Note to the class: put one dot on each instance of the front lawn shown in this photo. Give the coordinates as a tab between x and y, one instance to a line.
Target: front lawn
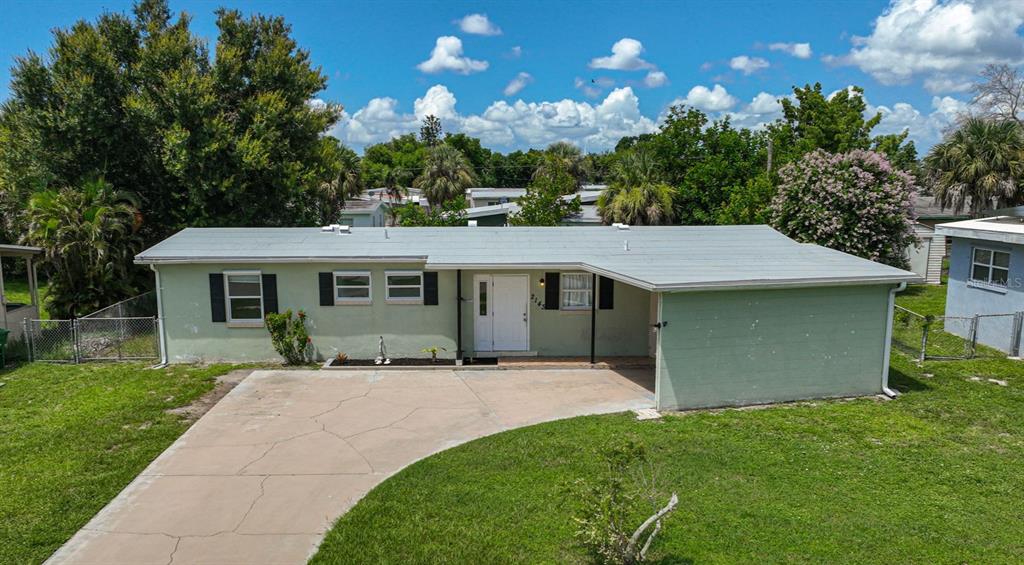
932	477
72	436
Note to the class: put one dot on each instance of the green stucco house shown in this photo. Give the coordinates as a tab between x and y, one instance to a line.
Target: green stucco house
730	315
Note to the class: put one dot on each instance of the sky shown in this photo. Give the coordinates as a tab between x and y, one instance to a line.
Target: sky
525	74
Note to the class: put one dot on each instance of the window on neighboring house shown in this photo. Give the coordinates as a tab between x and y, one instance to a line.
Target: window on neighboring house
404	286
577	292
244	293
990	266
352	287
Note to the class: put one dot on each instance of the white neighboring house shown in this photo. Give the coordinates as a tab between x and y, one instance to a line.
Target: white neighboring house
926	257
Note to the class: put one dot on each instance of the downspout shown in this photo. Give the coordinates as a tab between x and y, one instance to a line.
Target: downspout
160	317
593	318
458	316
887	349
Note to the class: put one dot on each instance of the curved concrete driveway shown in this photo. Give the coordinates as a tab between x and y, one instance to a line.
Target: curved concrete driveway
262	476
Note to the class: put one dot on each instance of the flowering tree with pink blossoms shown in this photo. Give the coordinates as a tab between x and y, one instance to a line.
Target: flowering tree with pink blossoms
856	202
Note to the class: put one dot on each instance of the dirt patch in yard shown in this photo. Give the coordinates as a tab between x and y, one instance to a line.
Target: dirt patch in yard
192	412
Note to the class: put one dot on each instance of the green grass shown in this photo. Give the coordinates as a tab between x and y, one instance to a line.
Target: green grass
932	477
72	436
16	290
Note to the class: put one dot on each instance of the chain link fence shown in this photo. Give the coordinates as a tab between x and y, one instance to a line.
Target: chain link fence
141	306
956	337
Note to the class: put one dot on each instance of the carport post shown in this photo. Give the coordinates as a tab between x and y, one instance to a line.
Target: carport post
593	315
458	316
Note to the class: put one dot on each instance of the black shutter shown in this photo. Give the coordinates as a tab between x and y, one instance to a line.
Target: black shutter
217	297
430	288
551	294
269	294
606	296
327	289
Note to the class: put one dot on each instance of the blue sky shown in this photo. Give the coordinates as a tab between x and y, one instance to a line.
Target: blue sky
389	63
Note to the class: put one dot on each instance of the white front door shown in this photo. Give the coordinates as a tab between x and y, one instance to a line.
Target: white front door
502	312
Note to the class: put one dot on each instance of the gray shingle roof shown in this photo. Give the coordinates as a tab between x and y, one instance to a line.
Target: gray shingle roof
655	257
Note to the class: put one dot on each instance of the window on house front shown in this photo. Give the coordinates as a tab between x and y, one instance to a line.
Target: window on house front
244	292
404	286
990	266
577	291
352	287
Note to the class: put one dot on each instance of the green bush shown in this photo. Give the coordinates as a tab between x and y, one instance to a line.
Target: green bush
289	336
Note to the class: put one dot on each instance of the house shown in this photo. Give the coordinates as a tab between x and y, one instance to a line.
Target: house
729	314
499	214
364	213
986	270
928	212
14	313
476	197
926	255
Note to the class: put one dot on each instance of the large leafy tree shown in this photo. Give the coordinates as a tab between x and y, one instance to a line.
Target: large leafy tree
567	156
833	123
446	175
395	162
636	195
546	202
89	235
979	165
137	100
856	202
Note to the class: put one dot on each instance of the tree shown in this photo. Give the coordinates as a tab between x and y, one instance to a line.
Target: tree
835	123
978	165
566	156
477	155
347	183
430	131
396	161
446	175
545	203
1000	94
855	202
636	195
446	214
89	235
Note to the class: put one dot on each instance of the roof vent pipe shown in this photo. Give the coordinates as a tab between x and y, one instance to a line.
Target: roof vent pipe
471	223
625	245
386	236
622	227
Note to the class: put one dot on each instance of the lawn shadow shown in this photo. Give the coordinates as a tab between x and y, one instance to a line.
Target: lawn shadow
903	382
672	560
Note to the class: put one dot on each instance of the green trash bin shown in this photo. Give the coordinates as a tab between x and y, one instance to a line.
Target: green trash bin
3	347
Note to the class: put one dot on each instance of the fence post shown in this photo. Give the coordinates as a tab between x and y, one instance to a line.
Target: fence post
1015	333
28	338
74	340
974	337
924	341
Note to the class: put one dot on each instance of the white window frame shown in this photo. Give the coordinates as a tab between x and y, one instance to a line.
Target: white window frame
228	298
562	291
402	299
991	265
341	301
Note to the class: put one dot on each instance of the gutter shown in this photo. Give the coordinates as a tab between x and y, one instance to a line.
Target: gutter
887	348
160	317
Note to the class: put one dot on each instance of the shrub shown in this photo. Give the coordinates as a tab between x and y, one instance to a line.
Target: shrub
854	202
289	336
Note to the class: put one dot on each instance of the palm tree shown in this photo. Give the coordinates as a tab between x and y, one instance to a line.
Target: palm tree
636	195
978	166
89	237
446	175
346	184
566	155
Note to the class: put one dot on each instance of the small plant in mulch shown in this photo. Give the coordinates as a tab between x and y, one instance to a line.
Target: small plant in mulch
433	352
608	524
289	336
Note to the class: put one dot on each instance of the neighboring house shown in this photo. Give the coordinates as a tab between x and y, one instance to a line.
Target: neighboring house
477	197
744	314
13	314
926	256
986	271
364	213
930	213
498	214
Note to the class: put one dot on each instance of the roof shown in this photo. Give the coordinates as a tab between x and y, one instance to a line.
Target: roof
497	192
492	210
361	206
1006	229
926	208
18	250
652	257
588	215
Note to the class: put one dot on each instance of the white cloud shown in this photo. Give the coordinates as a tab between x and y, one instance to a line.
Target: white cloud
447	56
625	57
515	53
503	124
518	83
654	79
944	42
748	65
478	24
798	50
715	99
925	129
589	89
765	103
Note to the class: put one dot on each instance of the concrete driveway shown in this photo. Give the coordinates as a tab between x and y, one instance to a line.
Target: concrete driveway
263	475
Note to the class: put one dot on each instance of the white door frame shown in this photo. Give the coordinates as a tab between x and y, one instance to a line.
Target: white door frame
483	326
